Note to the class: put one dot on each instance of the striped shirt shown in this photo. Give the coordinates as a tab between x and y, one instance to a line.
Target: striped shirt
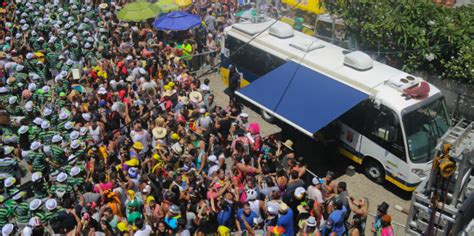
61	187
58	154
22	213
4	215
46	136
37	160
7	166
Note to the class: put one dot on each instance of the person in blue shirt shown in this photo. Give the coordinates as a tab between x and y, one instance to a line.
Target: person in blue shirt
245	217
285	219
335	223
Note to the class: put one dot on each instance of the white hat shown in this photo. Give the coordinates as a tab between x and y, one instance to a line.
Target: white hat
316	180
75	144
68	125
7	229
12	100
47	111
74	135
102	90
299	192
32	87
35	204
63	115
177	148
35	145
8	149
29	108
75	171
86	116
202	110
34	221
45	124
51	204
57	138
87	45
46	89
19	67
70	158
244	115
142	71
61	177
23	21
29	55
212	158
38	121
23	129
90	39
19	195
129	58
69	62
10	181
36	176
60	10
70	34
18	35
83	131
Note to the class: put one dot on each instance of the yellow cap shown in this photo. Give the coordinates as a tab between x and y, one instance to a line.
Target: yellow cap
156	156
167	87
132	162
131	193
171	84
138	145
149	199
122	226
175	136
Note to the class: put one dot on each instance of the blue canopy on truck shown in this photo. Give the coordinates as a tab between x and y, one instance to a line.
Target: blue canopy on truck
301	97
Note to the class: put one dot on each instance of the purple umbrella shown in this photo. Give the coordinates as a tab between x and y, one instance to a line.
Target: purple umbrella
178	20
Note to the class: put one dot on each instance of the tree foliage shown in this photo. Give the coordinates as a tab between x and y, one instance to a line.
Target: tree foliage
413	35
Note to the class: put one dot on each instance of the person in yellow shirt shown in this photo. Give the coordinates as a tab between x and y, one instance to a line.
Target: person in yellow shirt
187	52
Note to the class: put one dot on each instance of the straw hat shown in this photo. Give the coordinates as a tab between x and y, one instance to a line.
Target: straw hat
103	5
159	121
289	144
159	132
195	97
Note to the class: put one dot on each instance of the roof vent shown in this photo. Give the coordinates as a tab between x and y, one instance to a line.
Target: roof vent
307	46
281	30
358	60
403	82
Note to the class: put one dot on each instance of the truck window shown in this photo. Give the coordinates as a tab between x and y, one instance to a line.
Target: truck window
383	127
355	117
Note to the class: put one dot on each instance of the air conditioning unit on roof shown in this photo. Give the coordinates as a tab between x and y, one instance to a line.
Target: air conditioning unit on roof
358	60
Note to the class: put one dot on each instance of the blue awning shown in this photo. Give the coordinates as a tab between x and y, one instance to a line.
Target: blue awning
311	101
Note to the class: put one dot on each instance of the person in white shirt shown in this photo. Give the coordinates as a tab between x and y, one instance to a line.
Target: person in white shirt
314	191
143	229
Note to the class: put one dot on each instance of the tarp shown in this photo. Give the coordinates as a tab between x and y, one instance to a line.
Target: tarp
308	102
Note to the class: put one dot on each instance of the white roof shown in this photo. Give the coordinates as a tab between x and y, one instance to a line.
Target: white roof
328	59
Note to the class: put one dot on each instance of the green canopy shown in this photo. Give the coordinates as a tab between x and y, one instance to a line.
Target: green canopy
167	5
138	11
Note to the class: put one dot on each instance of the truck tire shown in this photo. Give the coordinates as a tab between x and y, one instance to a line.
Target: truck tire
374	171
266	116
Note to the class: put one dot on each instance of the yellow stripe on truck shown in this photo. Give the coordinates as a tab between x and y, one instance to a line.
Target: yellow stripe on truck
349	155
399	184
225	78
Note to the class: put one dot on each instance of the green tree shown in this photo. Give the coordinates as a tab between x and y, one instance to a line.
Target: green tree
414	35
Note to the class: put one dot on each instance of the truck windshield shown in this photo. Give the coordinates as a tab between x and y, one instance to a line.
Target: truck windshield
423	128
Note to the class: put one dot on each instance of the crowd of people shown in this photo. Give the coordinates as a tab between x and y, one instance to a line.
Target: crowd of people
106	130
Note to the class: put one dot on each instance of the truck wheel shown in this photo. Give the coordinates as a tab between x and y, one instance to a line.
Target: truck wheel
266	116
375	171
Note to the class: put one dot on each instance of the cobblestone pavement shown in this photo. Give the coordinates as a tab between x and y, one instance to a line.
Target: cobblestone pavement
358	184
